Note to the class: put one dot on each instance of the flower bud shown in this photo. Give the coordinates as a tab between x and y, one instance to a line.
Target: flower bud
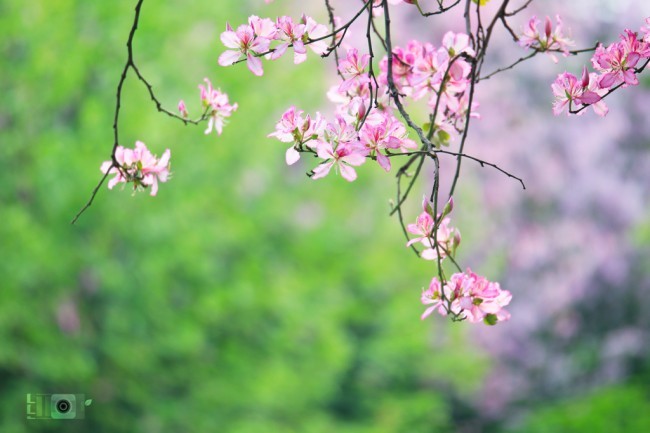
362	110
456	238
448	207
307	124
548	27
182	108
427	206
585	77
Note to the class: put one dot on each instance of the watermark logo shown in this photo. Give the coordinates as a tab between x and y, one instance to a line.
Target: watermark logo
57	406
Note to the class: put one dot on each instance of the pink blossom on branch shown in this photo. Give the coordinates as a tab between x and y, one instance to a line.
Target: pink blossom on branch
549	40
254	40
569	91
467	296
217	106
435	234
293	128
245	43
388	133
139	166
616	63
353	69
343	158
340	149
314	31
290	33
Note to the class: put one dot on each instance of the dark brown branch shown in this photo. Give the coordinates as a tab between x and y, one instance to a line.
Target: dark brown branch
519	9
120	84
481	162
130	64
392	89
533	54
441	9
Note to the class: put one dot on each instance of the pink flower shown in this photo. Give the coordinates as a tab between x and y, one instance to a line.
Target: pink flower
550	40
290	33
313	31
468	296
477	299
381	136
616	63
245	42
404	62
457	43
340	149
263	27
138	166
448	238
433	297
423	228
343	159
352	68
218	107
293	128
567	90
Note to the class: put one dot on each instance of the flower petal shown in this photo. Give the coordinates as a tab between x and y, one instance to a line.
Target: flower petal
255	65
347	172
322	170
292	156
227	58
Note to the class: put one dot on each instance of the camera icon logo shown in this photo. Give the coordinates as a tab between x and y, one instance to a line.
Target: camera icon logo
63	406
56	406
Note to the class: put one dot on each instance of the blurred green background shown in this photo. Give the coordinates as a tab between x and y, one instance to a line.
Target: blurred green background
243	298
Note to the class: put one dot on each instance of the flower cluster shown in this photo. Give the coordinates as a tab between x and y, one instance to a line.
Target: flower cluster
215	106
435	234
253	40
345	142
340	143
615	65
442	75
467	296
551	40
568	91
138	166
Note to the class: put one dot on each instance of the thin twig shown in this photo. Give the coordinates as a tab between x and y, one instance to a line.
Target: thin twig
125	70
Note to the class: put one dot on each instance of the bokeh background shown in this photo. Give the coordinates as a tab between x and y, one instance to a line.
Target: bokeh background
247	298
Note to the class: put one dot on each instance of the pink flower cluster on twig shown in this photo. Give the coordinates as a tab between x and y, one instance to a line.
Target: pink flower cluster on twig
217	106
549	41
616	65
253	40
435	234
467	296
138	166
442	75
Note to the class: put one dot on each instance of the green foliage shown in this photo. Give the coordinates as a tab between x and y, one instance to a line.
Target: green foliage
618	409
244	297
